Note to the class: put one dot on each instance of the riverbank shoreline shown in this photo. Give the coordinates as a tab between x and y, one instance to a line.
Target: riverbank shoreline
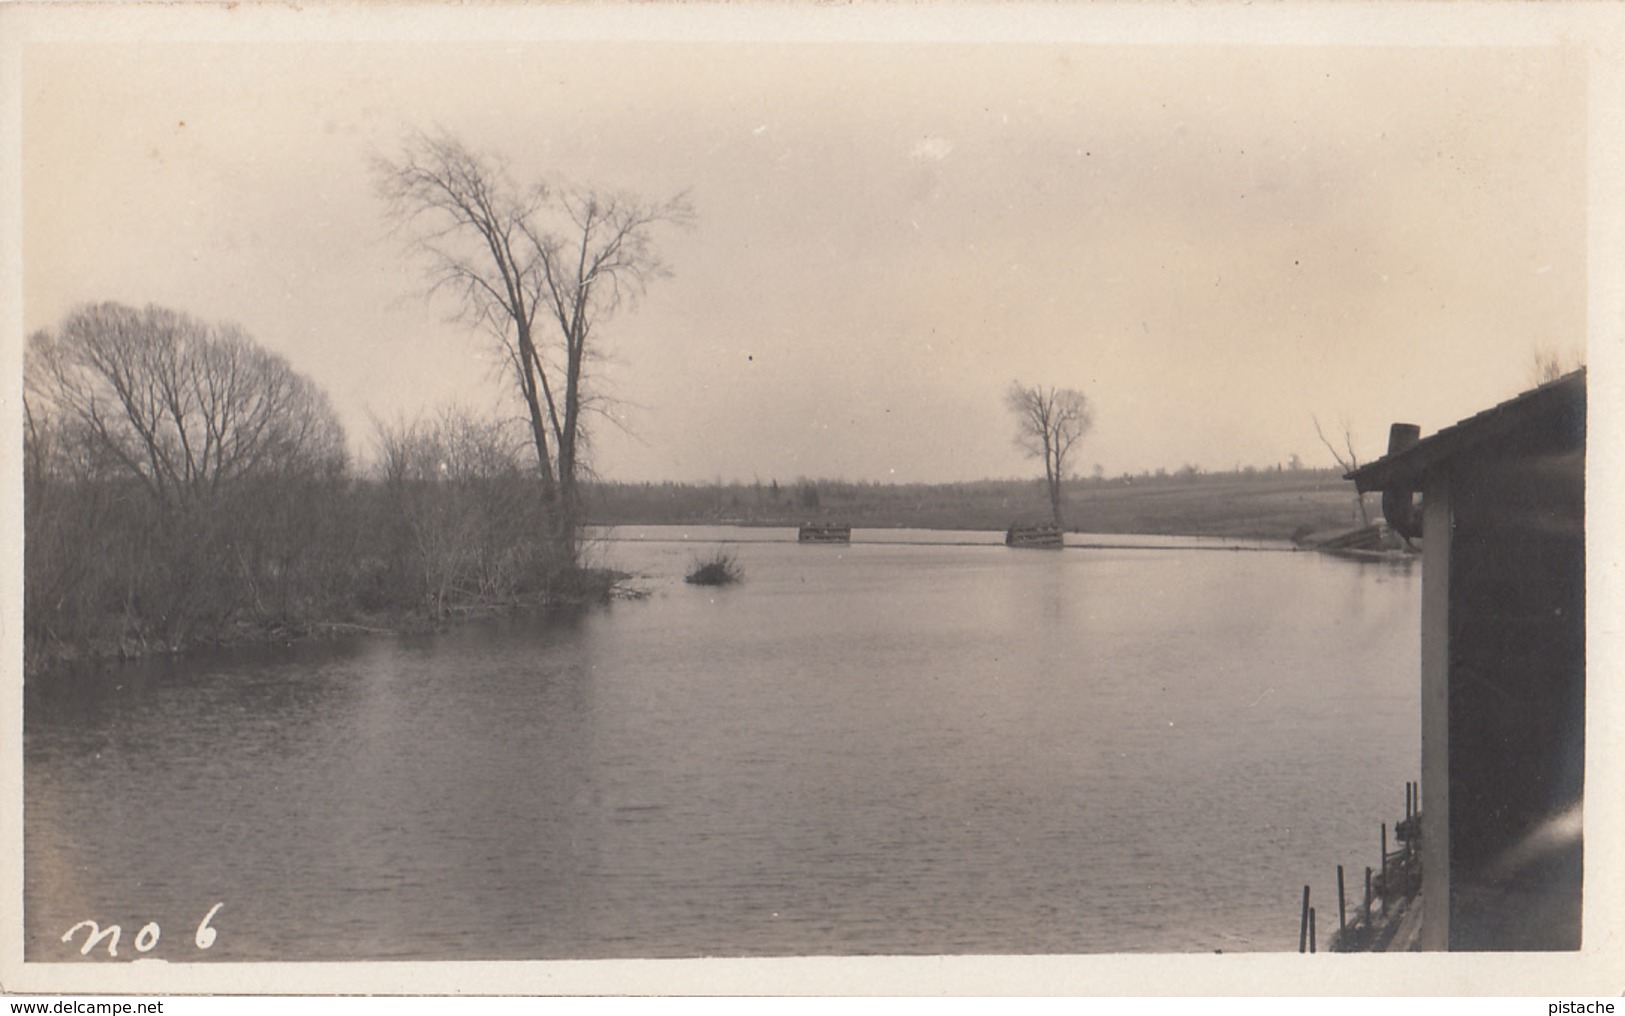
584	588
587	586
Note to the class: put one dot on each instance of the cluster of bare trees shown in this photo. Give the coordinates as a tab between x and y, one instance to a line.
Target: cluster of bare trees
174	478
182	480
538	268
181	407
183	483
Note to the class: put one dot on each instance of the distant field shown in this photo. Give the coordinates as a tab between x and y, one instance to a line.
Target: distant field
1261	505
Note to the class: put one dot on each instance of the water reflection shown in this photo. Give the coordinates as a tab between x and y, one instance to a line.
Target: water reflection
884	748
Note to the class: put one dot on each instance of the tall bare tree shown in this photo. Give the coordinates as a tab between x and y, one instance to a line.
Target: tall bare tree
1347	461
514	256
1049	421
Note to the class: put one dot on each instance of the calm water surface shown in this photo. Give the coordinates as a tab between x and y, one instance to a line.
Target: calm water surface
915	744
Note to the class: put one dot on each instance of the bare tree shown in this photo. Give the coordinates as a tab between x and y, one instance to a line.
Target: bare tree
1346	460
1550	364
515	255
179	405
176	474
1049	421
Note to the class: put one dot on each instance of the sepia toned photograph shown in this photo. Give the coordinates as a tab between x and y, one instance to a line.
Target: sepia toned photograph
544	484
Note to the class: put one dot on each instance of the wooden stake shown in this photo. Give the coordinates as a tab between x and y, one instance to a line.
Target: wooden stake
1303	923
1342	919
1311	929
1387	890
1411	846
1368	898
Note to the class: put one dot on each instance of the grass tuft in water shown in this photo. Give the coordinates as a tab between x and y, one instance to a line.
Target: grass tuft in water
720	569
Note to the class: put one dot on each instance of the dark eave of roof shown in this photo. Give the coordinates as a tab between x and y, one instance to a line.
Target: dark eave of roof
1403	471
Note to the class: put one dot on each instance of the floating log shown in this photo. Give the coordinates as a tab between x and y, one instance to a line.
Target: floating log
1364	538
825	534
1045	536
1374	542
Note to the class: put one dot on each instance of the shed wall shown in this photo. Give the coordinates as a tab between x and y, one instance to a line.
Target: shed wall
1516	691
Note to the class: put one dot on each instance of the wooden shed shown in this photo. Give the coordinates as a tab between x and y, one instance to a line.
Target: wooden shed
1501	519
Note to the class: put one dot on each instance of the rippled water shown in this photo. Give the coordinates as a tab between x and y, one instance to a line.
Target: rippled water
914	744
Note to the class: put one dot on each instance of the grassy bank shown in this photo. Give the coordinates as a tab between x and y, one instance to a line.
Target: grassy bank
112	572
578	588
1251	505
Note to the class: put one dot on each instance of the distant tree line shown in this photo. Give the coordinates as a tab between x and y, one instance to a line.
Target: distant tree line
182	483
1270	503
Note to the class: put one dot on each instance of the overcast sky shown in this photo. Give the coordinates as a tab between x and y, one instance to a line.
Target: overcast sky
1213	243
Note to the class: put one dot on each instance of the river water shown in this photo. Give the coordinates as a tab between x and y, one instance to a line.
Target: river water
919	743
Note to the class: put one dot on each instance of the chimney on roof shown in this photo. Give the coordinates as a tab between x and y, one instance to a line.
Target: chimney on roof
1399	506
1401	436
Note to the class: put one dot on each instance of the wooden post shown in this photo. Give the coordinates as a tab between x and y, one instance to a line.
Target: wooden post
1368	898
1342	919
1311	929
1303	923
1416	817
1410	814
1436	580
1387	890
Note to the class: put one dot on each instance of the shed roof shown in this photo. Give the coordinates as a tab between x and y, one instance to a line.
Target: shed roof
1404	470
